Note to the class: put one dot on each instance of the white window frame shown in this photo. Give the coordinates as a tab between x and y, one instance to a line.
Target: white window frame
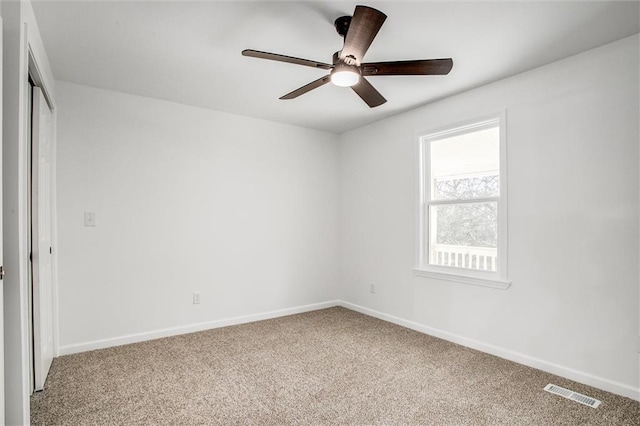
495	279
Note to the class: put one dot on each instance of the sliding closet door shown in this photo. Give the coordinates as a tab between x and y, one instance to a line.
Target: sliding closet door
41	238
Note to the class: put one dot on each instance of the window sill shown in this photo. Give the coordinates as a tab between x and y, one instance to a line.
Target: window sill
463	279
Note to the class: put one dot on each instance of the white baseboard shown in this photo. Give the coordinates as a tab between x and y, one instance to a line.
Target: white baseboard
191	328
559	370
569	373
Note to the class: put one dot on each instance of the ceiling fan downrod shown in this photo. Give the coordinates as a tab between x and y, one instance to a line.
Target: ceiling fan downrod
342	25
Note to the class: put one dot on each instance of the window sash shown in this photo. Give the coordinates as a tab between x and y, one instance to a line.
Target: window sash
462	201
461	256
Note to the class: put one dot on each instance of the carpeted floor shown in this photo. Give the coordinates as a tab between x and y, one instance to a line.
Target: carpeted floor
333	366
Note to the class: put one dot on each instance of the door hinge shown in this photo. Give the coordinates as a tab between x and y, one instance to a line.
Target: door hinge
2	272
50	250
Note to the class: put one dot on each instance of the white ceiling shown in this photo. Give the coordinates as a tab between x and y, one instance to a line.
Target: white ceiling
190	52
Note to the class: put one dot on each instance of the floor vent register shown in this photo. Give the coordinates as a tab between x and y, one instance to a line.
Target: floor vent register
574	396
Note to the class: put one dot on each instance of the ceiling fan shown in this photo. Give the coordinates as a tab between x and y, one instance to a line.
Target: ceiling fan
347	69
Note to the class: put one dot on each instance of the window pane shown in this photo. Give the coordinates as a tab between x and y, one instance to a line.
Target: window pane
466	166
464	235
466	188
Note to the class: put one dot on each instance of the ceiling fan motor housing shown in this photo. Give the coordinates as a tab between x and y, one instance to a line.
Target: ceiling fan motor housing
348	60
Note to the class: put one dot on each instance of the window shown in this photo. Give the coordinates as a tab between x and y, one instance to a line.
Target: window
463	204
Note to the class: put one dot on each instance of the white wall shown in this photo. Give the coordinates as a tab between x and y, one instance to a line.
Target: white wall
242	210
572	140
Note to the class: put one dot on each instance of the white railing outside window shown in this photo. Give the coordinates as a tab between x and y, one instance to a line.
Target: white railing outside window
478	258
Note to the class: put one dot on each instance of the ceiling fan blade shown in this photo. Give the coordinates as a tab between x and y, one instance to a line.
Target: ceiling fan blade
419	67
307	87
368	93
284	58
364	26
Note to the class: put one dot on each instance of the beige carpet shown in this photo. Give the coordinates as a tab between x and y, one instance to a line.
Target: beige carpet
332	366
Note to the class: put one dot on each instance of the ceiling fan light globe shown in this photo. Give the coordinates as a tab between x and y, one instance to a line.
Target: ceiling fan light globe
345	78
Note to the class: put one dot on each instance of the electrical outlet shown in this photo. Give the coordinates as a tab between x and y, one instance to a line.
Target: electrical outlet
196	298
372	289
89	219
